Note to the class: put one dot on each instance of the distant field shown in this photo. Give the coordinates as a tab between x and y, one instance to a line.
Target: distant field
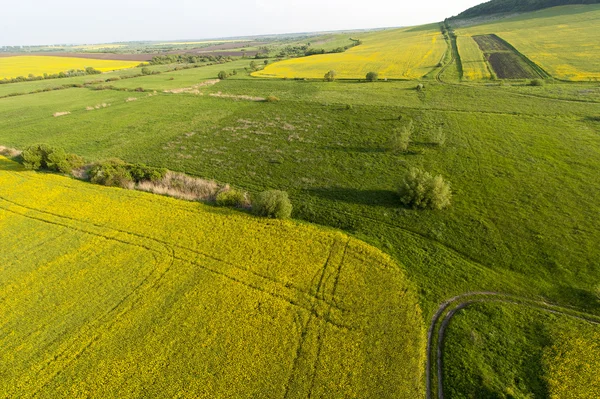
564	41
202	42
11	67
142	295
473	62
398	54
505	62
182	79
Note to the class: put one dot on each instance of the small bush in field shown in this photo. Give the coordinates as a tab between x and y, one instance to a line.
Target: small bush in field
536	82
232	198
421	190
272	99
400	139
372	77
272	204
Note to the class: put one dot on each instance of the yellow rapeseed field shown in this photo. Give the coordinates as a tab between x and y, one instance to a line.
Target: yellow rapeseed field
115	293
473	63
399	53
12	67
564	41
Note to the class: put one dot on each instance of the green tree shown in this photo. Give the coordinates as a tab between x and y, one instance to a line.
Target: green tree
330	76
222	75
421	190
372	77
272	204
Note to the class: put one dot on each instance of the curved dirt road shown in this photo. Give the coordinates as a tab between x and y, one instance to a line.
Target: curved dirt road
449	308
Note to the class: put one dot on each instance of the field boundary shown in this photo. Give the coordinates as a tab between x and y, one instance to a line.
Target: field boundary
447	310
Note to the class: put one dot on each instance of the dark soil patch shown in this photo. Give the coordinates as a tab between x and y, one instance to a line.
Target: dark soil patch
506	62
508	65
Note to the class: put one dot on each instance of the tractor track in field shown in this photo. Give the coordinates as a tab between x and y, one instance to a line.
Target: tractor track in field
447	310
304	303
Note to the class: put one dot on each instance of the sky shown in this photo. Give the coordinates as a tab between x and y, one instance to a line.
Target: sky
33	22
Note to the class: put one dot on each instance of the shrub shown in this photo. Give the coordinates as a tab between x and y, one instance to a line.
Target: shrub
233	198
43	156
222	75
140	172
146	71
420	87
330	76
536	82
420	190
113	172
438	136
400	139
272	204
372	77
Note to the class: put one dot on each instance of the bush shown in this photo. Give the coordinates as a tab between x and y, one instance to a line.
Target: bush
536	82
438	136
233	198
140	172
372	77
113	172
272	204
146	71
330	76
400	139
420	87
420	190
43	156
222	75
118	173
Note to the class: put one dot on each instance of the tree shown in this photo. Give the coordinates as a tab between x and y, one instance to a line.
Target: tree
266	62
222	75
330	76
421	190
372	77
272	204
253	65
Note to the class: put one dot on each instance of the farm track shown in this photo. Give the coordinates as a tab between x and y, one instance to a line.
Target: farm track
448	309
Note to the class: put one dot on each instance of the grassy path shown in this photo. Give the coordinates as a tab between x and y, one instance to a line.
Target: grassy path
447	310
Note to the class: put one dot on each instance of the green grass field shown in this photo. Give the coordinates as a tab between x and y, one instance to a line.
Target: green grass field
522	162
473	63
561	40
497	350
145	295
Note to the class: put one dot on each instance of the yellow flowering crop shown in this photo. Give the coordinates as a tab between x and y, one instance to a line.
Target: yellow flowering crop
564	41
12	67
114	293
398	53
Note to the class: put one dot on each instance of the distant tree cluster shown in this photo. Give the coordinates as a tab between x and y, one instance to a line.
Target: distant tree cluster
510	6
67	74
188	59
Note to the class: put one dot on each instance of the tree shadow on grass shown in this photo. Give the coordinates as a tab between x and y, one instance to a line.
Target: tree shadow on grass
384	198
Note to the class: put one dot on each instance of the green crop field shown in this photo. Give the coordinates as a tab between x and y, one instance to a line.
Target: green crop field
473	63
106	291
246	307
564	41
